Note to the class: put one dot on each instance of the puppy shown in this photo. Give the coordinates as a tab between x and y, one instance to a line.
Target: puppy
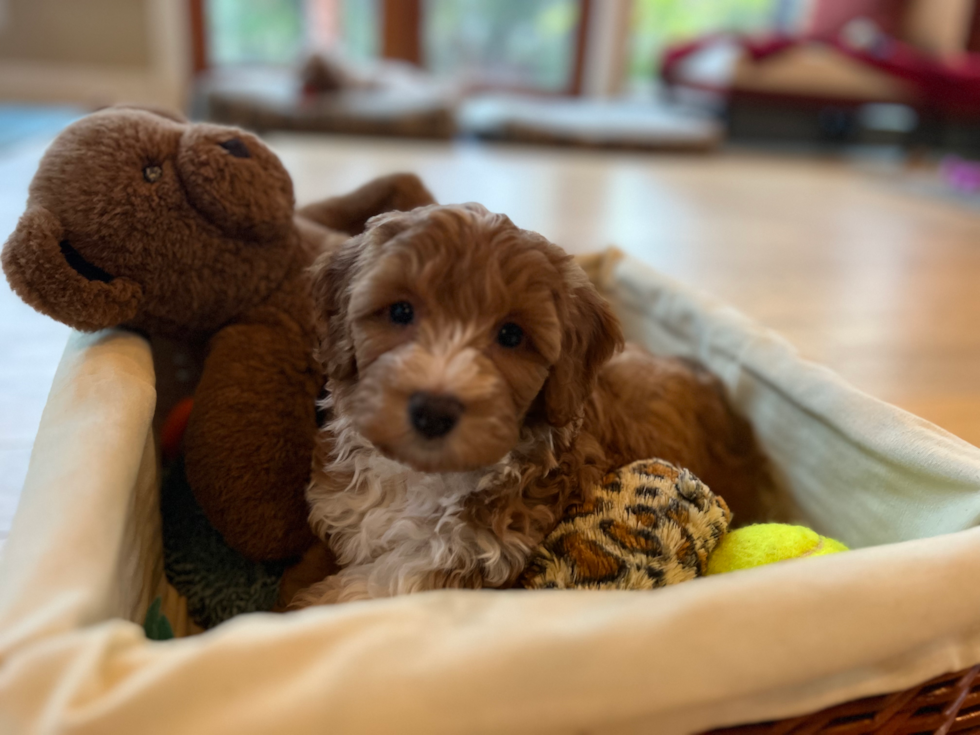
475	390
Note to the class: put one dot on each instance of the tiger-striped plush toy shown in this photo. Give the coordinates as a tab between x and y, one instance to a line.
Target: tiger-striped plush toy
648	525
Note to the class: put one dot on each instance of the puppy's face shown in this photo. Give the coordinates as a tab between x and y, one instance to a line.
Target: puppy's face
444	328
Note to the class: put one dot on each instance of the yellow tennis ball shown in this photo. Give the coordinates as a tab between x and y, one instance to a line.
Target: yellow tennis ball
766	543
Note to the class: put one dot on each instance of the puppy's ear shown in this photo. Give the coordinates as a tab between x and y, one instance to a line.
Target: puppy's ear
332	275
591	334
45	270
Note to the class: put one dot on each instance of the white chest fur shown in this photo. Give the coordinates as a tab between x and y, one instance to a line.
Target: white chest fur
396	530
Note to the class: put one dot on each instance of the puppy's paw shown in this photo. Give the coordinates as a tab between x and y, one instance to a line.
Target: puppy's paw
318	563
349	585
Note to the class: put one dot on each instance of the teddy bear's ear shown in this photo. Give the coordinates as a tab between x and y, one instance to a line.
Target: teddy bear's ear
49	274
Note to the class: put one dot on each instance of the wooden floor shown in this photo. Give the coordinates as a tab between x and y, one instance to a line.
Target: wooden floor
848	262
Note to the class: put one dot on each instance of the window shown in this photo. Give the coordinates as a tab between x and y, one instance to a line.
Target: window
508	43
278	32
528	44
523	44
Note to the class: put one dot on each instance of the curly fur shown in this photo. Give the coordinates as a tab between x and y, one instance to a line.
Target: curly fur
541	422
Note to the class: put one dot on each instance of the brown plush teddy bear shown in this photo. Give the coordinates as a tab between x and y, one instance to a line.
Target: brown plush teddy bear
188	231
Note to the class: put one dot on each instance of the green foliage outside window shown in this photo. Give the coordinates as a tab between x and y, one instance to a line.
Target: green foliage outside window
519	42
657	24
277	32
254	32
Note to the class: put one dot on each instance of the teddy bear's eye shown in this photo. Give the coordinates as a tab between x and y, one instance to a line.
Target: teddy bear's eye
152	173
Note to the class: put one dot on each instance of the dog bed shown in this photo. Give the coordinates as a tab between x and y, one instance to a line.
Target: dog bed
83	564
263	99
619	125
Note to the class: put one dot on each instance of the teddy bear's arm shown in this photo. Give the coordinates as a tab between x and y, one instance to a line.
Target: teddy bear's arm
348	213
249	439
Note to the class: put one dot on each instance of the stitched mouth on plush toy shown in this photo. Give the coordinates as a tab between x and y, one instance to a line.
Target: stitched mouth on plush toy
82	267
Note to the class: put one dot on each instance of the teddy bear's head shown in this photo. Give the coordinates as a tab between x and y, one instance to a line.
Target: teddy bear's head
141	219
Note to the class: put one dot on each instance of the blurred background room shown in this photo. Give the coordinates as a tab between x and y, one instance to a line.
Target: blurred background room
813	163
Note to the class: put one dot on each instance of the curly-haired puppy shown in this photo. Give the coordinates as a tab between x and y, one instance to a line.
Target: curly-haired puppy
473	394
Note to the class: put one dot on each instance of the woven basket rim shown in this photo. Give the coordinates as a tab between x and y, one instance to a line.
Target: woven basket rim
943	704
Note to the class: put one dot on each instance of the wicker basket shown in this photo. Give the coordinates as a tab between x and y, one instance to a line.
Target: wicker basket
949	703
84	562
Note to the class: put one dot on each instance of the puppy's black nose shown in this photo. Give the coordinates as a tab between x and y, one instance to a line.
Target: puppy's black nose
236	147
433	416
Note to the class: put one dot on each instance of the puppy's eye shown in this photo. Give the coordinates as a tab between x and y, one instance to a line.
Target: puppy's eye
401	313
152	174
510	335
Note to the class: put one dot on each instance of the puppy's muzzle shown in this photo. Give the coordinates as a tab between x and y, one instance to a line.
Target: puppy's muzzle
433	416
